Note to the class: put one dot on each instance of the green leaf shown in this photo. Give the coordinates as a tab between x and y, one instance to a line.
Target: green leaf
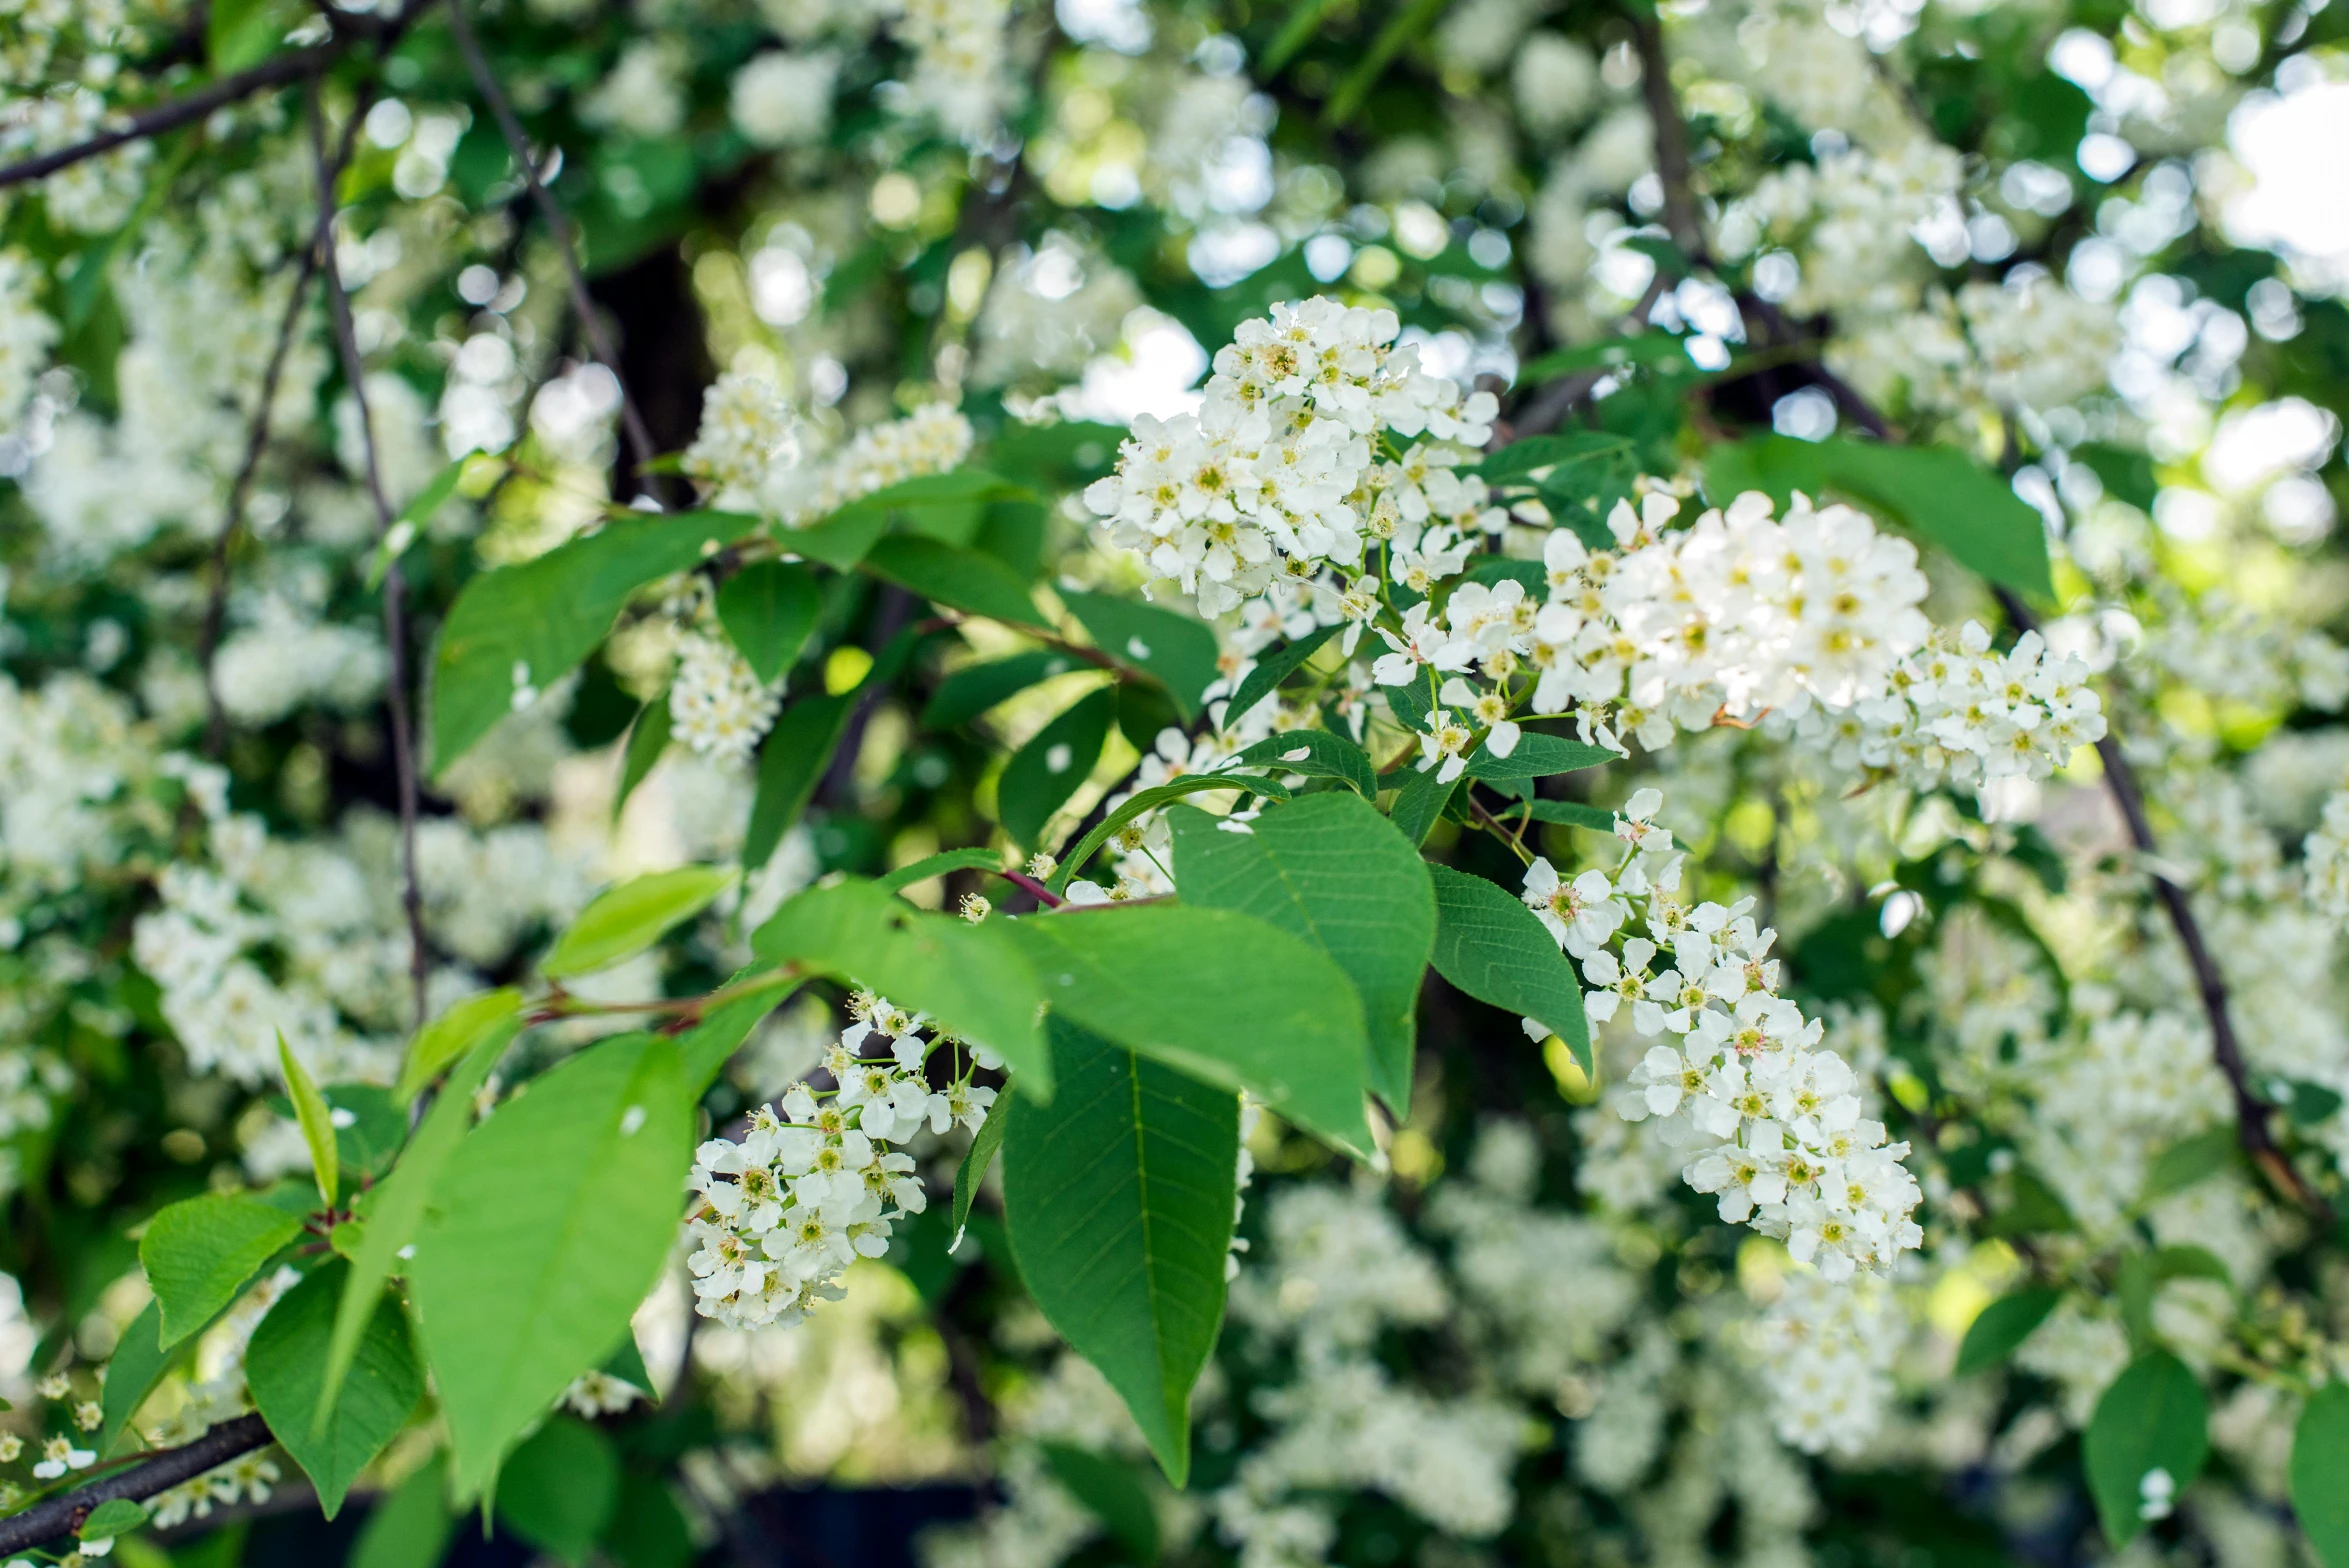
939	865
1405	25
648	1530
456	1032
402	534
1570	813
648	739
1492	947
1420	797
137	1365
1522	459
1148	800
558	1491
411	1527
2000	1328
2320	1474
1936	491
1273	668
973	1169
1052	766
548	1225
1113	1492
1330	870
972	690
316	1120
1538	756
1645	348
1178	651
1223	996
622	921
286	1369
199	1253
945	574
2154	1417
2188	1161
527	626
1315	754
972	979
768	608
791	764
113	1517
400	1202
707	1046
1118	1198
242	33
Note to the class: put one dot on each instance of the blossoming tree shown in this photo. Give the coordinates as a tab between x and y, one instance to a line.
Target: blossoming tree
1480	781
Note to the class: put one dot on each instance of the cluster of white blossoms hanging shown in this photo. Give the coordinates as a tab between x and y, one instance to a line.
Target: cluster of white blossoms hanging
803	1194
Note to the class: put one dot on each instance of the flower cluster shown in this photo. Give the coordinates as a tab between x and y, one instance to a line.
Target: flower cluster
2325	855
805	1193
753	454
1770	1121
717	703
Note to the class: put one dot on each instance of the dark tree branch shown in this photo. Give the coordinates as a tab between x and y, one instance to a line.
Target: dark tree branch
62	1515
640	442
395	583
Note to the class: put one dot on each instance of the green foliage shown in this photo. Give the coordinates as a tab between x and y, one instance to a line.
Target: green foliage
1113	1492
527	626
2153	1418
1118	1199
1419	801
768	609
547	1226
1329	870
411	1526
455	1033
1148	800
972	979
973	1169
559	1490
962	579
1258	1009
1492	947
199	1254
939	865
1271	669
973	689
1537	756
2320	1474
286	1369
316	1120
719	1033
113	1517
2189	1161
2000	1328
139	1361
648	739
622	921
1043	774
1314	754
1178	651
792	762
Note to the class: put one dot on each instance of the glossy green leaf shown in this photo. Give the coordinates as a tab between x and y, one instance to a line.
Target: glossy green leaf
1314	754
315	1119
242	33
1178	651
455	1033
547	1226
1329	870
137	1365
1538	756
1053	765
1271	669
939	865
1147	800
1118	1199
975	688
623	920
558	1491
1522	459
962	579
2000	1328
648	740
2153	1418
768	608
411	1526
973	1169
1420	796
2320	1473
972	979
1567	813
1113	1492
1221	995
1492	947
522	628
285	1366
198	1255
791	764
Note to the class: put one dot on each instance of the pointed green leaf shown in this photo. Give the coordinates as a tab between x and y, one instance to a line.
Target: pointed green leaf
455	1032
558	1490
198	1255
768	608
1538	756
317	1122
623	920
286	1368
1223	996
411	1527
1118	1199
706	1047
648	740
973	1169
2320	1474
1419	801
113	1517
975	688
1113	1492
1148	800
547	1227
1271	669
2000	1328
1178	651
939	865
137	1365
1492	947
1330	870
1044	773
972	979
2153	1418
946	574
1315	754
791	764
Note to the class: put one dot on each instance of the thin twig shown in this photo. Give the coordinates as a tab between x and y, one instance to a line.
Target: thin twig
2252	1111
395	584
294	66
62	1516
640	443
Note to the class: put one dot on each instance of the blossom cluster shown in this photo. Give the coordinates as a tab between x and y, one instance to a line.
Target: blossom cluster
753	452
817	1180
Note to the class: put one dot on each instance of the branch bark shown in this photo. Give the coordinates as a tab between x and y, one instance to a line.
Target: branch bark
62	1515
